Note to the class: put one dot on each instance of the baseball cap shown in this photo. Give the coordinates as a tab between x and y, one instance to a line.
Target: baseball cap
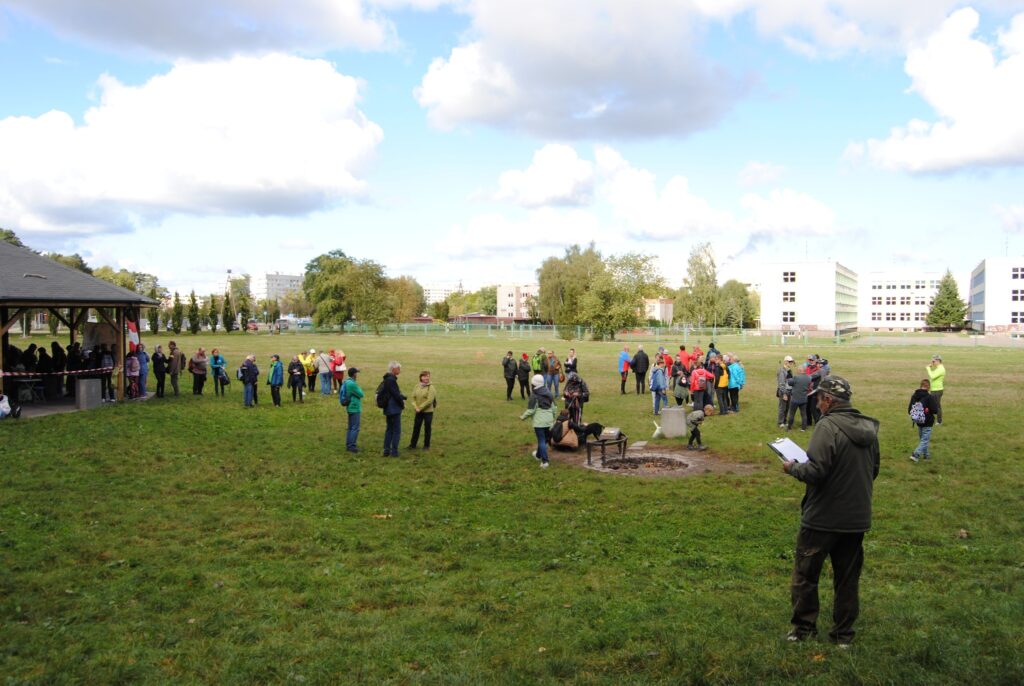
835	386
937	357
787	358
312	350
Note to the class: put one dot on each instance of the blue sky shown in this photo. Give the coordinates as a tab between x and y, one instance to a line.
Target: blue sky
470	139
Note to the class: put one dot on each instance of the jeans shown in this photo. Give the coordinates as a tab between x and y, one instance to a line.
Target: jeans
143	376
523	388
551	383
198	381
734	399
924	433
847	554
392	434
298	386
311	380
698	399
220	382
659	399
723	400
694	437
325	383
247	394
352	434
275	395
542	443
160	379
423	419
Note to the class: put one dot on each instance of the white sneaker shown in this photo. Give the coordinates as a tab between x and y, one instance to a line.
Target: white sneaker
534	453
543	465
914	458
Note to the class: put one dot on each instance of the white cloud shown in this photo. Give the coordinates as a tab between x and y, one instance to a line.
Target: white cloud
579	68
1012	218
976	93
557	177
495	235
787	212
841	26
211	28
760	173
269	136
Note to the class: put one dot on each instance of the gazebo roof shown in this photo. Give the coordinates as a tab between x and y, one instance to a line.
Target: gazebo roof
31	280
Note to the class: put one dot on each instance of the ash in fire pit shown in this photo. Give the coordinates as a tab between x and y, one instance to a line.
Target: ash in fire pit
644	462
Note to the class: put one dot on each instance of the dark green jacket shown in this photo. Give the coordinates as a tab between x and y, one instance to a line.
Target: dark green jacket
840	472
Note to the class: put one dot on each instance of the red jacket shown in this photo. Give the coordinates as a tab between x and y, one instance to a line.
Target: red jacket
696	374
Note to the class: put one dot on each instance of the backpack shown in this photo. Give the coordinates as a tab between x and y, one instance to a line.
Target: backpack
343	397
918	414
382	399
240	374
702	382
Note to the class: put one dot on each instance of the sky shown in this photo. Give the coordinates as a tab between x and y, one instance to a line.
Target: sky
466	141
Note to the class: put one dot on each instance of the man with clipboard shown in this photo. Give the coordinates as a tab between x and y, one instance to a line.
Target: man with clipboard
841	466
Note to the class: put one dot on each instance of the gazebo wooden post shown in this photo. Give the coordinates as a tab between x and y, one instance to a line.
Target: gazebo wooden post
119	342
71	319
3	345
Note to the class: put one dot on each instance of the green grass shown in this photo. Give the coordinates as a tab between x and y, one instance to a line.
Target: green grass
189	541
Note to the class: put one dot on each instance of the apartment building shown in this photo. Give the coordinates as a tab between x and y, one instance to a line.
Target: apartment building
996	301
816	297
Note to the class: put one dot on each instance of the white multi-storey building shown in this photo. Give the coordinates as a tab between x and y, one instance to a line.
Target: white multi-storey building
514	300
899	300
274	286
997	295
809	297
438	293
659	309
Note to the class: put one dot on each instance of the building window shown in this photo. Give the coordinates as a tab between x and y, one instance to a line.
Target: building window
904	316
904	286
891	300
788	277
876	300
876	316
789	296
1017	317
788	317
919	300
890	286
890	316
905	300
919	284
1018	273
1017	295
876	286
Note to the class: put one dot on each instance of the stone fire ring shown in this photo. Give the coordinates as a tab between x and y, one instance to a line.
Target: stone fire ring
642	459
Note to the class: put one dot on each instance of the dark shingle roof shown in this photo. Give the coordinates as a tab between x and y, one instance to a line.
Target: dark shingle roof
28	278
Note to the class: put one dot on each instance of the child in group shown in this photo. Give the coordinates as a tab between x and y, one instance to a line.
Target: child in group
541	407
923	409
693	423
354	393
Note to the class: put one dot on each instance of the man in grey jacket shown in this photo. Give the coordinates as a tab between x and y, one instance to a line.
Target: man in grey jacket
843	461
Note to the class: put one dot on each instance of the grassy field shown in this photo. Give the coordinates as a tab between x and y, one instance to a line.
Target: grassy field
185	540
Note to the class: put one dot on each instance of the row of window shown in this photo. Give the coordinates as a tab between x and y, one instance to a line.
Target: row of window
1017	295
1017	317
904	300
906	286
1017	273
901	316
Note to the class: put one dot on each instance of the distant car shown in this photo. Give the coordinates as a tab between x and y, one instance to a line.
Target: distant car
305	323
282	324
253	325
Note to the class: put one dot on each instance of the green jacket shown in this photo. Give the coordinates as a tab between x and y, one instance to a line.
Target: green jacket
937	376
423	398
843	461
541	406
355	394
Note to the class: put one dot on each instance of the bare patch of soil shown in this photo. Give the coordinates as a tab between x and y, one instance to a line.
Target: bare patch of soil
642	459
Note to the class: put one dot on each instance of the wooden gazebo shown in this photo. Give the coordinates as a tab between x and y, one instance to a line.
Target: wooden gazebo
30	282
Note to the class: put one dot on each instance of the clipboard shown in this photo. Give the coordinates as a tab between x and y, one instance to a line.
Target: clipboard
787	450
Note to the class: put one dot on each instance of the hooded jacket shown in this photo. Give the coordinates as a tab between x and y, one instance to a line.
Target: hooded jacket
843	461
541	407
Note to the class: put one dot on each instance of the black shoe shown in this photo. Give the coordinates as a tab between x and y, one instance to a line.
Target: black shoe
387	454
352	450
798	636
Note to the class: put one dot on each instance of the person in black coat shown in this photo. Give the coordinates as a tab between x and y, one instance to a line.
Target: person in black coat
394	403
640	364
523	373
159	361
510	369
924	426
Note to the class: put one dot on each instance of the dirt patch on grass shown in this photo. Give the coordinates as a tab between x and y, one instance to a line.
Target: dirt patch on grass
642	459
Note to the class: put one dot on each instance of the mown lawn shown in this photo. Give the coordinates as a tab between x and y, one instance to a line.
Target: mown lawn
188	541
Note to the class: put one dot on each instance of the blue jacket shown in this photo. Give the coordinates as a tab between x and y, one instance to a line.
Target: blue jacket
659	382
737	375
623	357
396	401
276	376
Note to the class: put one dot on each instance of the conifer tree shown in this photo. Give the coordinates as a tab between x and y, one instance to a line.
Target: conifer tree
948	310
213	312
227	314
193	314
177	314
